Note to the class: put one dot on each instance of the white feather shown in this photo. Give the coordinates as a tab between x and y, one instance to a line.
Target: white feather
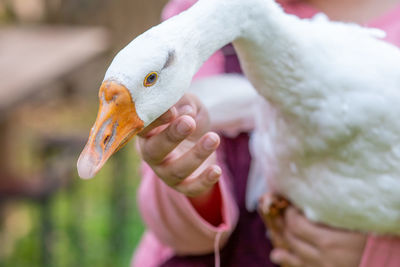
222	92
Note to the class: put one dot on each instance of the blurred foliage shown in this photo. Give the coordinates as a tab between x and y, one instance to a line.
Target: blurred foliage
93	223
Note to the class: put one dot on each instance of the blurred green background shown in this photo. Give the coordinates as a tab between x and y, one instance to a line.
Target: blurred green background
48	216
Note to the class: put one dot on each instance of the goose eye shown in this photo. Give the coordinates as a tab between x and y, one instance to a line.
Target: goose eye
150	79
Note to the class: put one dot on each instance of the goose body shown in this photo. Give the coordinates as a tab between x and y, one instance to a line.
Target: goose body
331	141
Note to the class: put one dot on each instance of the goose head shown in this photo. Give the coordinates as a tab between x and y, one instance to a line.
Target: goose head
144	80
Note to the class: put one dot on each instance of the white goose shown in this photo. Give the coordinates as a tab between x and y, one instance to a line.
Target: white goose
333	146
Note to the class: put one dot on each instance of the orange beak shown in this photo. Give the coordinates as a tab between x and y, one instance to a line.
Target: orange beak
117	122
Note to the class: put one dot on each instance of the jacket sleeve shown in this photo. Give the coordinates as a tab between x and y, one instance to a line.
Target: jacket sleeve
381	251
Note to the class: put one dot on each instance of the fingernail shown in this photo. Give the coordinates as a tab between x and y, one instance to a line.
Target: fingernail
183	127
209	143
214	174
172	112
185	110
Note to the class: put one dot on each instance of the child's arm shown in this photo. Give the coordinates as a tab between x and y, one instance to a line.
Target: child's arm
174	220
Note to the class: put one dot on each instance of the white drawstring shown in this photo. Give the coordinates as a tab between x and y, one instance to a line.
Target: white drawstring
216	249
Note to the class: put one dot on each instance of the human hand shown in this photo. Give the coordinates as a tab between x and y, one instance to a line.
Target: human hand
180	149
308	244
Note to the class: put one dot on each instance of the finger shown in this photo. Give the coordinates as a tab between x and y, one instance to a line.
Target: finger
277	239
274	233
174	171
202	118
264	203
301	227
202	183
274	222
156	148
285	258
165	118
187	109
200	115
302	249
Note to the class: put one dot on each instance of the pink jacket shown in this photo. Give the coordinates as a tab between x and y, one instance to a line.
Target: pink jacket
174	226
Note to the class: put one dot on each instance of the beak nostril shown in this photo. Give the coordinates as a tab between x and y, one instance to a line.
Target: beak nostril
106	139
